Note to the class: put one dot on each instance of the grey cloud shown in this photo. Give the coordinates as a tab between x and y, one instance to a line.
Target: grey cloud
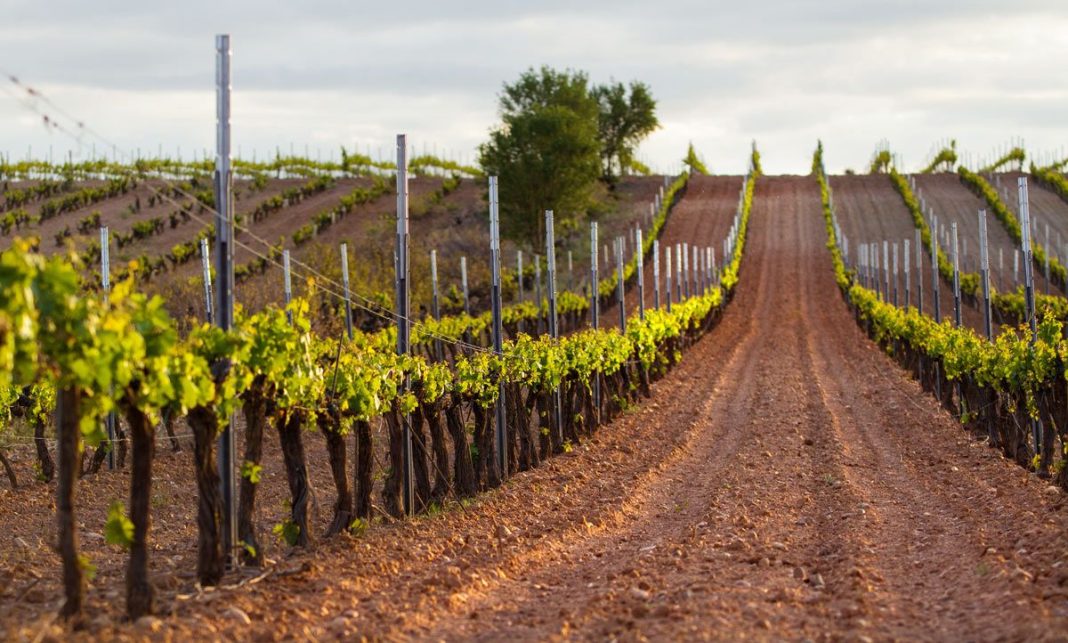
783	72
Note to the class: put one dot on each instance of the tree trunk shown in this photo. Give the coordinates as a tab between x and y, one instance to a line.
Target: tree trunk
99	455
419	463
514	425
478	439
545	425
527	446
254	406
138	589
330	427
593	419
210	562
643	382
487	449
289	434
68	414
168	426
121	443
391	489
432	414
9	470
44	458
463	468
1044	399
364	459
569	404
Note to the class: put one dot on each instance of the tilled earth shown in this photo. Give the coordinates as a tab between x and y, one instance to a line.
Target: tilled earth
786	481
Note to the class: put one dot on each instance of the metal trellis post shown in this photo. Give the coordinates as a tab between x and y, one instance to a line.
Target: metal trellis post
404	328
205	266
463	285
935	294
595	304
656	274
105	283
345	285
224	275
288	285
641	276
1029	281
554	322
667	275
984	269
956	276
498	324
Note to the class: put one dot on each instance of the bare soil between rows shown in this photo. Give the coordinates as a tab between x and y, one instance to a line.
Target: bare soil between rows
786	481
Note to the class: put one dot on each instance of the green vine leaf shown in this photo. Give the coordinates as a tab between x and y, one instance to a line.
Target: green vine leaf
251	472
118	530
287	532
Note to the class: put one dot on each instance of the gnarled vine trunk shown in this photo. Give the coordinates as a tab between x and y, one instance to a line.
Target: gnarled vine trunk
254	407
289	435
44	458
419	462
463	469
569	402
391	489
139	594
364	459
487	449
330	427
528	450
591	412
643	382
210	562
68	431
543	404
9	470
168	426
514	425
432	415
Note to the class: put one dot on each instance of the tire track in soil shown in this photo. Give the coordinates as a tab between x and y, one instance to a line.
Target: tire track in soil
787	480
637	501
616	561
927	560
703	217
705	516
837	533
398	578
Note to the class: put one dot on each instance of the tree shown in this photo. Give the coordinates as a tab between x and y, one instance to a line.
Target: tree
624	120
545	153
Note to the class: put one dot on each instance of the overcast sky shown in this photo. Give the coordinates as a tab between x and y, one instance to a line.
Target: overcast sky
322	73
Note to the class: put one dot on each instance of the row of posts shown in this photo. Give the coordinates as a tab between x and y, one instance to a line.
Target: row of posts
944	235
875	275
219	291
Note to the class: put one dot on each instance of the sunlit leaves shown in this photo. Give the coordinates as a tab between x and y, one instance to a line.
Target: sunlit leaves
118	530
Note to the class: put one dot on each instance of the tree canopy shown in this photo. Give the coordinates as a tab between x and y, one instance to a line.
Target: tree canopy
558	135
625	119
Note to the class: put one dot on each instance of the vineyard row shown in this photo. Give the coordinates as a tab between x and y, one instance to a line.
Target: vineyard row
124	355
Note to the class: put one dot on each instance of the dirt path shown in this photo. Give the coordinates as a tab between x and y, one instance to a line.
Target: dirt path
870	210
702	219
815	493
787	481
954	202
